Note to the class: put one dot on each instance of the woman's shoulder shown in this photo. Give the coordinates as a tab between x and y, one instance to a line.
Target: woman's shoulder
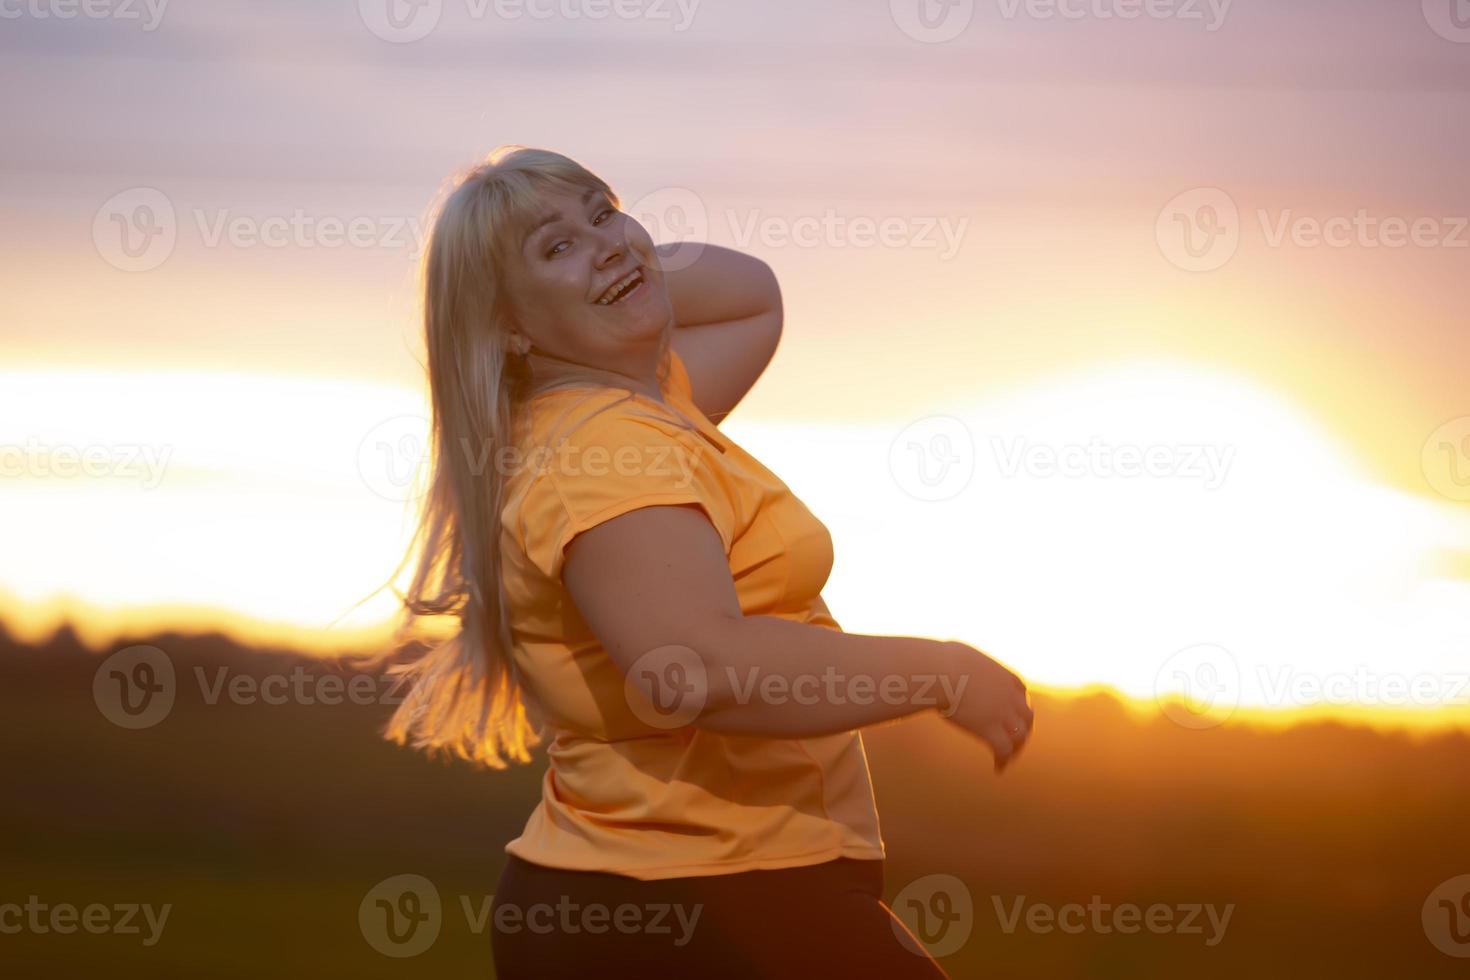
608	413
606	438
592	454
600	416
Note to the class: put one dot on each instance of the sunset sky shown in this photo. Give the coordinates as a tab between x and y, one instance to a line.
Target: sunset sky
1047	280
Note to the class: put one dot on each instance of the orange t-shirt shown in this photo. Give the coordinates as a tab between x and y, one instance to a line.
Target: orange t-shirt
627	797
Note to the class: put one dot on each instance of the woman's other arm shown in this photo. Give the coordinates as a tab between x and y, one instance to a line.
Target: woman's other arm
658	577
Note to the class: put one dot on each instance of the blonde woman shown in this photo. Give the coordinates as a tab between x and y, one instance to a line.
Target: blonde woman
624	583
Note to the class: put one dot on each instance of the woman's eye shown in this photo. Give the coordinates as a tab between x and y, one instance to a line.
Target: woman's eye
553	250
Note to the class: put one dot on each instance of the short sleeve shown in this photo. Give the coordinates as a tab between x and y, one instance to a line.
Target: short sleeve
617	461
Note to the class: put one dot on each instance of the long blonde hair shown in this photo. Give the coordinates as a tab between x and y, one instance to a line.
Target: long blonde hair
463	696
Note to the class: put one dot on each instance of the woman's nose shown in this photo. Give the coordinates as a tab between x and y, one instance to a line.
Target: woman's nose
613	243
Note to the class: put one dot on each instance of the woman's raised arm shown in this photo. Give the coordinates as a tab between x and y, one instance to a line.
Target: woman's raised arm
727	317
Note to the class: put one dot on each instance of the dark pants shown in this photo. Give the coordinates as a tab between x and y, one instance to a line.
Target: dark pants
816	921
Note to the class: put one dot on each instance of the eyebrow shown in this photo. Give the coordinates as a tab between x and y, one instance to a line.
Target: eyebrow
552	217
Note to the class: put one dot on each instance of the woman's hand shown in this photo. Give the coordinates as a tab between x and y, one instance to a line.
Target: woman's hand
988	701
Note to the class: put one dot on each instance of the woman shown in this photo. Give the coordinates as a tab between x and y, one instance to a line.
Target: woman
623	579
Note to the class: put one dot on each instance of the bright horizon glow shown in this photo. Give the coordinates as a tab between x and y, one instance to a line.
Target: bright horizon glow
1296	564
1286	556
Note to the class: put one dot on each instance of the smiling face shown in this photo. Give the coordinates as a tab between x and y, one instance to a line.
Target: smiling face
562	274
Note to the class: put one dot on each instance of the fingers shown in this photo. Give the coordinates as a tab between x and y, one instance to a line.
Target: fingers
1009	738
1022	707
1019	728
1001	744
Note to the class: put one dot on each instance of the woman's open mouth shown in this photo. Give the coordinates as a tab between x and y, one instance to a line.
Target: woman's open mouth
622	289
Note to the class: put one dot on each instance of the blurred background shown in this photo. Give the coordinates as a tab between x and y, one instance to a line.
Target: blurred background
1125	339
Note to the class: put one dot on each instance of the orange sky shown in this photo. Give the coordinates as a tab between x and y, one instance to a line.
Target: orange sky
1032	284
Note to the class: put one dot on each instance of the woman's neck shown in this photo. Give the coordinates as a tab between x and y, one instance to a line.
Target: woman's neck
549	369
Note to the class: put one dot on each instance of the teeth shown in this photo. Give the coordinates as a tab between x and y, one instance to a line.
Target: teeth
616	288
